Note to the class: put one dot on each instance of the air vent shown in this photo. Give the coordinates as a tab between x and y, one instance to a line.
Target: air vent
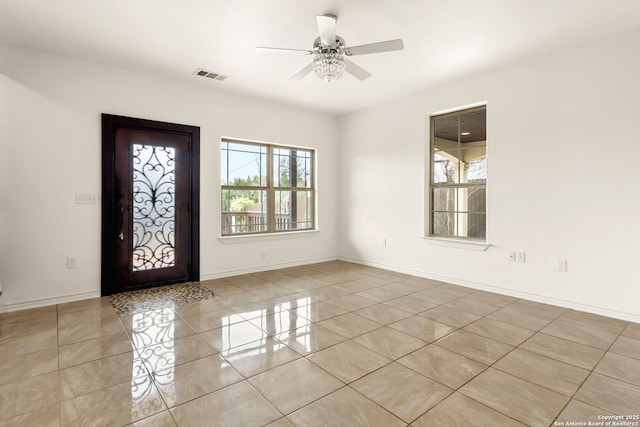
210	74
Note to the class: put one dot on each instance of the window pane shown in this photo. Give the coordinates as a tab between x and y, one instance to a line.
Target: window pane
294	210
244	211
459	224
473	126
475	164
243	164
459	212
292	168
446	132
445	168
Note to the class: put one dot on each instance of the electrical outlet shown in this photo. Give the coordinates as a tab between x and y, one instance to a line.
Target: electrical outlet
511	257
561	265
522	257
71	262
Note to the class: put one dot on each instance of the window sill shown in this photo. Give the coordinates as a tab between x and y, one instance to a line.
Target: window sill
470	245
266	236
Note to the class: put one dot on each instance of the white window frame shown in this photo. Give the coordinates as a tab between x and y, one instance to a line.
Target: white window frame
473	243
271	188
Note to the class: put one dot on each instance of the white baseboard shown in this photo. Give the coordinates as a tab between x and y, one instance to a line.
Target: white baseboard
48	301
630	317
229	273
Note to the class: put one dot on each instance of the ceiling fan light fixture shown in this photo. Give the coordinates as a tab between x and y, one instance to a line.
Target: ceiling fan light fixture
328	65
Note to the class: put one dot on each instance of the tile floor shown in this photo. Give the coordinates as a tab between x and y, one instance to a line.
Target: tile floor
319	345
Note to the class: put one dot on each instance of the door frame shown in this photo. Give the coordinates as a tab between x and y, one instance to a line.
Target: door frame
109	203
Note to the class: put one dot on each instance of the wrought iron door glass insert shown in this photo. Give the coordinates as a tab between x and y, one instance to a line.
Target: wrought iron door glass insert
154	207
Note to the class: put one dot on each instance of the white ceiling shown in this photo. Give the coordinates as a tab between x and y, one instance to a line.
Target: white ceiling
444	39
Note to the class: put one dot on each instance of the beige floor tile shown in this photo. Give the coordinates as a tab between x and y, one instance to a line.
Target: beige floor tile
407	287
29	343
85	304
351	302
282	422
441	294
320	311
163	419
389	342
518	316
199	307
383	314
444	366
259	356
557	376
283	321
401	391
499	331
458	410
517	398
492	298
31	394
172	353
597	322
191	380
345	407
310	339
577	331
83	379
10	331
350	325
579	412
469	304
348	361
213	319
45	417
86	331
28	314
325	293
410	304
563	350
422	328
625	346
632	331
271	292
120	404
156	327
607	393
473	346
620	367
94	349
540	309
291	386
85	316
378	294
450	316
234	335
28	365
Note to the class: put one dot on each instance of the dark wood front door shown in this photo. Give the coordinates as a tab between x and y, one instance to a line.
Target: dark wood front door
150	202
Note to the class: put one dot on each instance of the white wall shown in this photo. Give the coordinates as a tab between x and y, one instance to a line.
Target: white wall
563	181
50	149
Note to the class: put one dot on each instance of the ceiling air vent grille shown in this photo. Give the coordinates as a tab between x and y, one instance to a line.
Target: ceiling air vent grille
210	74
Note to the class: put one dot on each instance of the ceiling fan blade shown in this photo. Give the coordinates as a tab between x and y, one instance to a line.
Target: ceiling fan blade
356	71
365	49
282	50
303	73
327	29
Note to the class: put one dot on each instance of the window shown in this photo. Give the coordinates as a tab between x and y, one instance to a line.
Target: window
266	188
458	182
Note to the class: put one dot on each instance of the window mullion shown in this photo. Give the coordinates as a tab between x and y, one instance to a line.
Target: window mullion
271	194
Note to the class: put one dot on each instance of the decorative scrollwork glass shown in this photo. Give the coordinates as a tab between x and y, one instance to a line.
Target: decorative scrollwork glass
154	183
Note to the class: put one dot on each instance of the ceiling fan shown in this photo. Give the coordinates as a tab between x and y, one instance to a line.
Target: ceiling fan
329	51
